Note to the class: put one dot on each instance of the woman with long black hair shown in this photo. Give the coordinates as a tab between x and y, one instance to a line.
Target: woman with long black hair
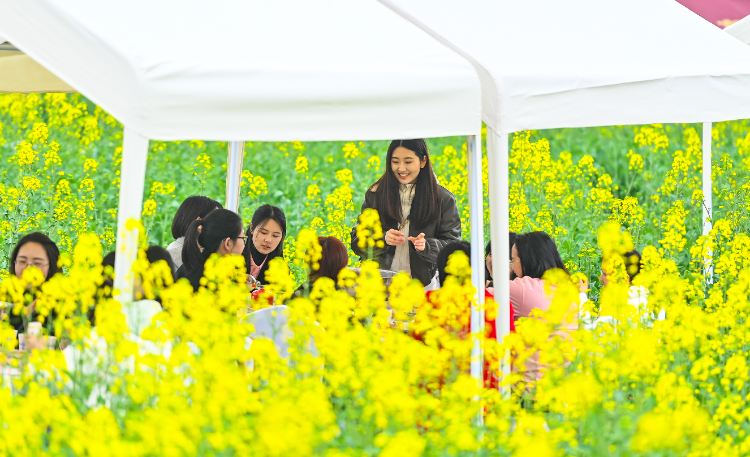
418	215
532	255
191	209
219	232
267	231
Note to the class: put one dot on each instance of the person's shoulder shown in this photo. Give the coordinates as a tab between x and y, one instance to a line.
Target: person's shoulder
176	244
445	194
373	188
528	282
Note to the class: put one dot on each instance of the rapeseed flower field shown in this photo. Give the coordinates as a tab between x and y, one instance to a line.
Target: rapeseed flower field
197	380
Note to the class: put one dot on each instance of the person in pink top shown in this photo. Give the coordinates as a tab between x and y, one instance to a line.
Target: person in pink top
532	255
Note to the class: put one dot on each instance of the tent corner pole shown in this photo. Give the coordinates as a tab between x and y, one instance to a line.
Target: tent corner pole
707	193
476	220
234	174
132	178
497	157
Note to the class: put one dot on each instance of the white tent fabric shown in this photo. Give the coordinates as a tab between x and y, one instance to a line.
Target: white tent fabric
245	70
740	30
240	70
549	64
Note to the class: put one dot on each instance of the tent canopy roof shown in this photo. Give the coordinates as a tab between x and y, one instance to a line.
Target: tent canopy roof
250	69
740	30
548	64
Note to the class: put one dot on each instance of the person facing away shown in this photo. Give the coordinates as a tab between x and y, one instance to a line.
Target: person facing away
532	255
219	232
334	258
488	259
267	230
418	216
193	208
140	312
490	378
637	295
33	250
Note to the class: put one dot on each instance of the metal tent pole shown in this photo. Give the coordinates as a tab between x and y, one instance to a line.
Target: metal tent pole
497	156
234	174
476	219
132	177
707	193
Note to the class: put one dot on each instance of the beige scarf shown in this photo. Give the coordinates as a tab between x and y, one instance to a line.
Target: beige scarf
401	260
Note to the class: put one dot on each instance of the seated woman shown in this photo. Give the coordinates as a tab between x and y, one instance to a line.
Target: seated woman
220	232
33	250
334	258
140	312
193	208
490	378
532	255
267	231
637	295
488	260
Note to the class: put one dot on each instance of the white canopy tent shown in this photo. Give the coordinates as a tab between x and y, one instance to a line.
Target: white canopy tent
548	64
268	71
740	30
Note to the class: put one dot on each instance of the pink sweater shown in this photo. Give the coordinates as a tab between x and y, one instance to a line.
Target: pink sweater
527	294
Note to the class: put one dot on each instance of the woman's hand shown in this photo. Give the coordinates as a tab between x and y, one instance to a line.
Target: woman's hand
394	237
419	242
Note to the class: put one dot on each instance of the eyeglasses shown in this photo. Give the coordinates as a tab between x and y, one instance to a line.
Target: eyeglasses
244	238
23	264
511	263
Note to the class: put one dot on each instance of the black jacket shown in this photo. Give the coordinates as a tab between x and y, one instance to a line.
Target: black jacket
194	276
438	233
248	252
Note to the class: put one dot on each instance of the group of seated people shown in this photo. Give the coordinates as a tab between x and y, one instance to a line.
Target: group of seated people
201	227
421	229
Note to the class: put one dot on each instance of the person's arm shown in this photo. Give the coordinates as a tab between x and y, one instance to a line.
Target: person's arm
447	232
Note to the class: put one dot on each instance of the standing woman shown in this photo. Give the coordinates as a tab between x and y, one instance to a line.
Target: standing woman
267	229
193	208
219	232
33	250
418	216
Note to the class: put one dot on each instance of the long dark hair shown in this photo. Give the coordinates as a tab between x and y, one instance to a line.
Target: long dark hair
632	263
191	209
538	253
53	253
209	233
445	253
488	250
426	204
334	258
262	215
153	254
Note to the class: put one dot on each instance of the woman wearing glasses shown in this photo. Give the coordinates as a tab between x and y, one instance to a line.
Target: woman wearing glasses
33	250
219	232
267	229
418	216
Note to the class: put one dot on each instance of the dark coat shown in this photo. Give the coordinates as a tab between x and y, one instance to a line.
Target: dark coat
194	276
438	233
